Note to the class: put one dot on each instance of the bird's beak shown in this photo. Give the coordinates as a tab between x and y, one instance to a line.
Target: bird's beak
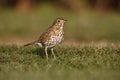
65	20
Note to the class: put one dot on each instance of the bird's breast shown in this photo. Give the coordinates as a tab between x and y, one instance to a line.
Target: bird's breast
58	37
55	37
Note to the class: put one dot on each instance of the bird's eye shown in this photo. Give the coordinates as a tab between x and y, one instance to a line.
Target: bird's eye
58	21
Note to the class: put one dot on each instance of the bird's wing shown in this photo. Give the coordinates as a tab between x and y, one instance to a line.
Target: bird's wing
45	36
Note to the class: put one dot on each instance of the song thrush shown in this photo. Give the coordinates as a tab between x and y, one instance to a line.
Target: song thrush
51	37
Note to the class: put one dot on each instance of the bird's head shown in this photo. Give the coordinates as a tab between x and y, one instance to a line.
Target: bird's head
59	22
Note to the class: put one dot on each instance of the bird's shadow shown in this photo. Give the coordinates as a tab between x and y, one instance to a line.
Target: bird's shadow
41	52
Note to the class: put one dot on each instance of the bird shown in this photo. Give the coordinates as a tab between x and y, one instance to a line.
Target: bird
53	36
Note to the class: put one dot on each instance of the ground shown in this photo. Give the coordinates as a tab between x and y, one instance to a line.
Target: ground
90	51
93	62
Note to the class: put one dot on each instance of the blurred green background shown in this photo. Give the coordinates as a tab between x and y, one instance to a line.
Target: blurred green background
88	20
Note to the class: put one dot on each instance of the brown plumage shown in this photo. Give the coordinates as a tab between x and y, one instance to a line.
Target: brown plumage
51	37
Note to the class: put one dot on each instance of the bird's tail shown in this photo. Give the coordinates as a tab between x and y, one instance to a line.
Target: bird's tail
31	43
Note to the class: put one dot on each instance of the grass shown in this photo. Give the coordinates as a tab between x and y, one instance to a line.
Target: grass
72	63
85	62
81	26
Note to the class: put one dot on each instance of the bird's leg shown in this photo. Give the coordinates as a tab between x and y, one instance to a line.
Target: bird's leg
53	53
46	52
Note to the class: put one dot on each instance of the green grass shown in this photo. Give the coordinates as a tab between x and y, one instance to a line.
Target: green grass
72	63
85	62
81	26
